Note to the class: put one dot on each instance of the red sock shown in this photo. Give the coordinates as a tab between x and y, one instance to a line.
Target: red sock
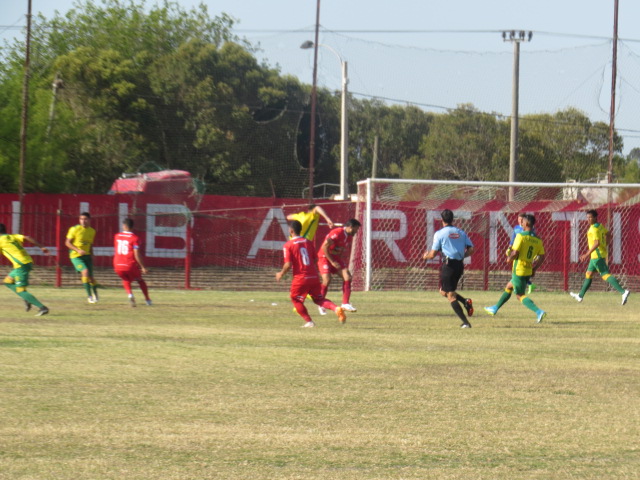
323	290
324	303
127	286
346	292
301	309
144	288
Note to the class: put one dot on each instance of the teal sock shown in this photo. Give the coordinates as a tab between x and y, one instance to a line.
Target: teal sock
614	283
11	286
527	302
27	297
87	287
585	286
503	299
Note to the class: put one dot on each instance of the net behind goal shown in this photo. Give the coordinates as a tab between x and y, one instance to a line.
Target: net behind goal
400	217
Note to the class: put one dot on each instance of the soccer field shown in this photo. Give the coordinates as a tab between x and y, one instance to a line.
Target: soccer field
226	385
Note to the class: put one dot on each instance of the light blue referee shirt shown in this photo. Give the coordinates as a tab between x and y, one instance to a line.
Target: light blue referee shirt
451	242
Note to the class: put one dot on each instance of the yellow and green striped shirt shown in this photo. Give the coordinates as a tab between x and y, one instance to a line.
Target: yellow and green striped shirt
11	246
309	221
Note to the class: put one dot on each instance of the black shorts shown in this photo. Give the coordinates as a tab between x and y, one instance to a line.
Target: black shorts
450	274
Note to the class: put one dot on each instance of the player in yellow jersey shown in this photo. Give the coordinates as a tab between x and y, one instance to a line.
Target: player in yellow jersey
80	244
598	239
18	278
527	254
310	220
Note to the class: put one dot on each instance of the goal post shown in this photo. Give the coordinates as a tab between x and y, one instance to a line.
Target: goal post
400	217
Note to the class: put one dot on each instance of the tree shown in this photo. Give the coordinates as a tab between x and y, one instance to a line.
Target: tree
103	54
571	147
463	144
399	130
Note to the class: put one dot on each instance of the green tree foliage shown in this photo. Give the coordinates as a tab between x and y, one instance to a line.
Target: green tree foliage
464	144
176	88
565	146
399	131
168	86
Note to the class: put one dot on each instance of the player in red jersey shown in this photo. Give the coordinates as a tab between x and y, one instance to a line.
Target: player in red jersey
300	256
330	261
127	263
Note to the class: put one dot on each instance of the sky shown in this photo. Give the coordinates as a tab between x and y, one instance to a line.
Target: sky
574	17
280	26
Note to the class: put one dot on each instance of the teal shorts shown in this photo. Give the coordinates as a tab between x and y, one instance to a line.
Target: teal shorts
20	275
519	284
84	262
598	264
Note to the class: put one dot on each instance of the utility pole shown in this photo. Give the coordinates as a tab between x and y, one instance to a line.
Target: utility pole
344	121
314	100
57	84
515	37
612	110
25	116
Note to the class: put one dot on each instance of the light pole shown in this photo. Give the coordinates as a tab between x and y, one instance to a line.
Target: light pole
515	38
344	122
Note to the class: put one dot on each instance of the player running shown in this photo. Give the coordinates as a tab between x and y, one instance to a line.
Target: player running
516	230
527	254
127	262
330	261
79	241
598	239
300	256
18	278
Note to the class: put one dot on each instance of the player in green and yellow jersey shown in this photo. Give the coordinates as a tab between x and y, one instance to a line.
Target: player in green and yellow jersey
18	278
80	243
598	239
527	254
310	220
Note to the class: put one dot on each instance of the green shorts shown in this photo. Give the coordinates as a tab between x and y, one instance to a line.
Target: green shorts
598	264
20	275
84	262
519	284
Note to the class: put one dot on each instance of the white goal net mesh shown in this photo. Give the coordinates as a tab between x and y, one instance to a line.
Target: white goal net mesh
400	217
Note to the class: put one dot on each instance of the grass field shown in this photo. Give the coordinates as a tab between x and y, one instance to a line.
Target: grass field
225	385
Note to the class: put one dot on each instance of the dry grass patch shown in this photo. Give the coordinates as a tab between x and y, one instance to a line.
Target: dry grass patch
226	385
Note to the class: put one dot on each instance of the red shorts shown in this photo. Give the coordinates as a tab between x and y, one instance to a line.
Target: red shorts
325	266
301	287
131	275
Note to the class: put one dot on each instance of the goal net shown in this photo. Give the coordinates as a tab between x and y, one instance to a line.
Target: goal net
400	217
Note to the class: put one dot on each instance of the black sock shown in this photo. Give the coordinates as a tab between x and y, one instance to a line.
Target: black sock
460	298
458	309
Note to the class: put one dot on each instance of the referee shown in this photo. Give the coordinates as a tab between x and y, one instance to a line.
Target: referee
454	246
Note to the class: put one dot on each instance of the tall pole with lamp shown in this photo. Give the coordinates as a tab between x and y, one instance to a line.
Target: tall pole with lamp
314	99
515	38
344	121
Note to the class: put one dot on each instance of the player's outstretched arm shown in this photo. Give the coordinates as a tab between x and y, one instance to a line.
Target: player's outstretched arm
324	215
32	240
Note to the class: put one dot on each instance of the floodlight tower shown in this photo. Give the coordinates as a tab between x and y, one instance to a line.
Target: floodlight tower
515	37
